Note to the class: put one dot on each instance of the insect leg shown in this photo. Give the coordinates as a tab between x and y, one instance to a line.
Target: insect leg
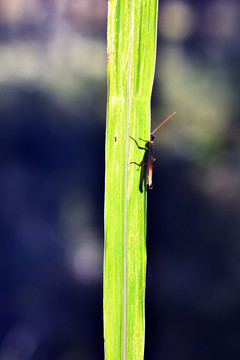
139	165
141	148
146	141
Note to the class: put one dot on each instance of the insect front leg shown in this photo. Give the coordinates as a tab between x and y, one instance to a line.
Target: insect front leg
140	147
146	141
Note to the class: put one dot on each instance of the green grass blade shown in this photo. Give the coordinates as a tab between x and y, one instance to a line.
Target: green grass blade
131	51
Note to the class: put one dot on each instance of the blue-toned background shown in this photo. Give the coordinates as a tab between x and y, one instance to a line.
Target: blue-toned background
52	132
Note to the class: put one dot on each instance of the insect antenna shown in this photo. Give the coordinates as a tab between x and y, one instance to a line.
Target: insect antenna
163	123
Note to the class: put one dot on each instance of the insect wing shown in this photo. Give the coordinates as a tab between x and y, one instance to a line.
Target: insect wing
149	174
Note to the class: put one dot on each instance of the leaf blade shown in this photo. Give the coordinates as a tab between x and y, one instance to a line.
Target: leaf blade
131	49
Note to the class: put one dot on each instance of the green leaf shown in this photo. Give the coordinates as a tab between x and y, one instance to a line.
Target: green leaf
131	61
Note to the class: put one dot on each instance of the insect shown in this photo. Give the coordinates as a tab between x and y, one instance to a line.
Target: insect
146	164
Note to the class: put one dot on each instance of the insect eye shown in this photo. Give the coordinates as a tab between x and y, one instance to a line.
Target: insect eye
152	137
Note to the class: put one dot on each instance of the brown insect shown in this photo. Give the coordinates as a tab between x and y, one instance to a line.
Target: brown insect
146	164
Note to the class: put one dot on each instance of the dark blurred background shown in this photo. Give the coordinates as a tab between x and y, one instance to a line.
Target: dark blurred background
52	133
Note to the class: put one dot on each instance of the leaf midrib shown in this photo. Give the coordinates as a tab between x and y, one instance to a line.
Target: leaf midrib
124	332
